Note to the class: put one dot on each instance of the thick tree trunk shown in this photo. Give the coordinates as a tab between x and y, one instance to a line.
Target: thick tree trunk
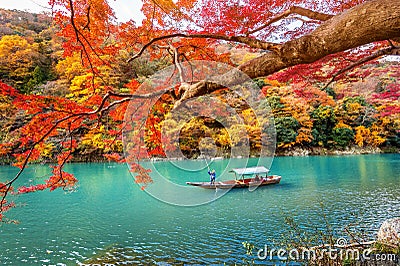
368	22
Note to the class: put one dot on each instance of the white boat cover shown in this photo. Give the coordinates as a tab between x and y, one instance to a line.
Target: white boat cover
251	170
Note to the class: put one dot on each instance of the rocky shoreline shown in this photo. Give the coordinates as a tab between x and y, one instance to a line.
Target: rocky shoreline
350	150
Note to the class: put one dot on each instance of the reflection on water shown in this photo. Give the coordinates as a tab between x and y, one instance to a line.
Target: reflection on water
109	218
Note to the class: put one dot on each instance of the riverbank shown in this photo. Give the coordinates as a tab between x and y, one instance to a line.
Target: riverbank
294	151
350	150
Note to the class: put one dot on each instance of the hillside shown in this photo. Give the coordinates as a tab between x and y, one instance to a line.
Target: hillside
15	22
360	112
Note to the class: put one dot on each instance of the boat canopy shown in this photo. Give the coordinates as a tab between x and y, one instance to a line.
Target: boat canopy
251	170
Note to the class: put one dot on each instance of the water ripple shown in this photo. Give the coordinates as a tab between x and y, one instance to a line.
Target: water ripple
109	220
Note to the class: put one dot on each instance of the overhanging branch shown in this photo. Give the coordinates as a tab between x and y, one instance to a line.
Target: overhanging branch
294	10
392	50
372	21
251	42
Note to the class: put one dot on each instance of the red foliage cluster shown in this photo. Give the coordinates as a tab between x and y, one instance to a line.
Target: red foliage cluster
115	157
33	188
392	93
142	176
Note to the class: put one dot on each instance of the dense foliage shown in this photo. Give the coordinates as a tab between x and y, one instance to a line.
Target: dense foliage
361	109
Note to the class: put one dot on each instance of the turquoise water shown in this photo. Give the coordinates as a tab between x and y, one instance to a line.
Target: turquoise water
109	216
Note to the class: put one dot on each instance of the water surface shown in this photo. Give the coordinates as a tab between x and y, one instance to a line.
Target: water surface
109	216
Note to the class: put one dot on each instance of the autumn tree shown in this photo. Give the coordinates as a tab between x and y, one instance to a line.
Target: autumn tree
26	63
307	42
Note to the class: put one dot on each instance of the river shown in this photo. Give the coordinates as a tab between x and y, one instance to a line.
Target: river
108	218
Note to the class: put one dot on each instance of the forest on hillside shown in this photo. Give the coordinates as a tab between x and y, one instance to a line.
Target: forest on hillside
362	109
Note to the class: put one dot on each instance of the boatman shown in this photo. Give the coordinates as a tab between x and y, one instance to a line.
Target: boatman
212	176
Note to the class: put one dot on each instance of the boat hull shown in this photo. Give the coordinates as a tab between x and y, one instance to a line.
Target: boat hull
245	183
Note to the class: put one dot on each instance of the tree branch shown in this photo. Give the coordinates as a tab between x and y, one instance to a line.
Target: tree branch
136	96
100	109
380	20
9	183
88	19
251	42
177	63
82	44
392	50
294	10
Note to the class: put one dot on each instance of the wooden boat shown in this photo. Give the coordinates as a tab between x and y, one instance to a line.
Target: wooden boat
244	178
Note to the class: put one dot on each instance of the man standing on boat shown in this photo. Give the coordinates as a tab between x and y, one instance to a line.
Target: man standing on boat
212	175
